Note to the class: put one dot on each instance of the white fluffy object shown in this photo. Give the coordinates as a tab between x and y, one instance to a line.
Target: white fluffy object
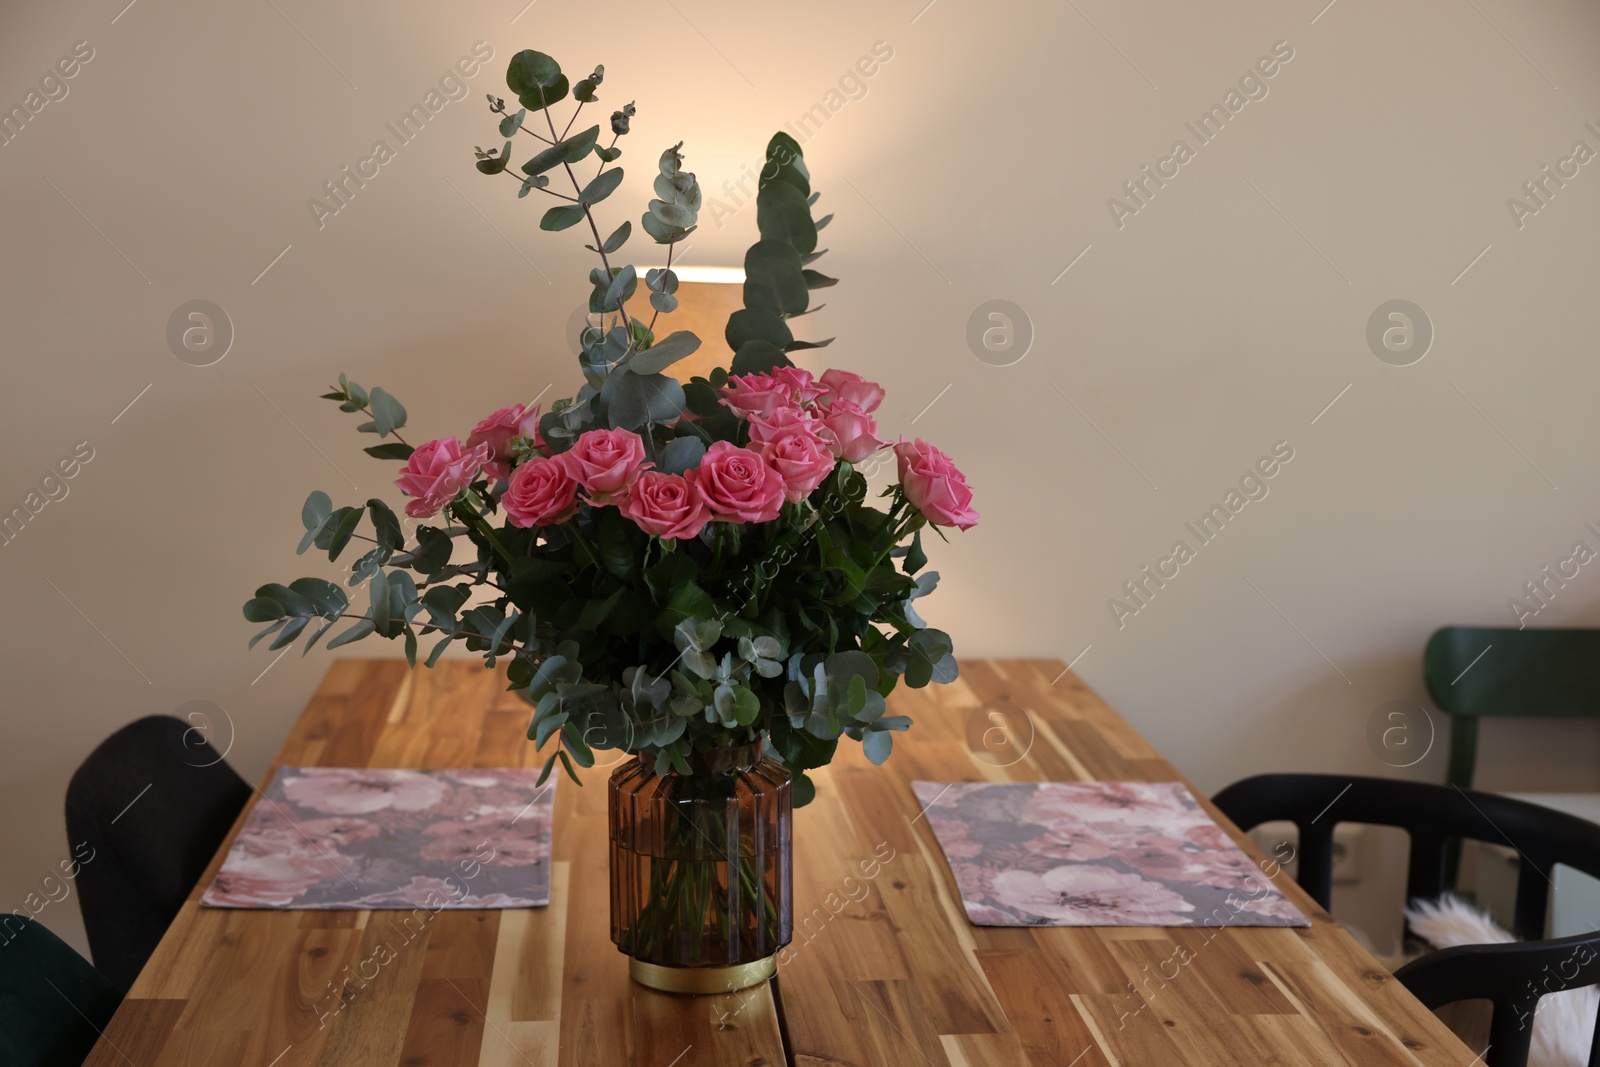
1564	1023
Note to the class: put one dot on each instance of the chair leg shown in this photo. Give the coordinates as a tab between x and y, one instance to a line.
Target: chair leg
1510	1036
1463	757
1463	750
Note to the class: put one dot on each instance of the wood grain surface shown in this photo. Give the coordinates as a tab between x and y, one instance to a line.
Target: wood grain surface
884	968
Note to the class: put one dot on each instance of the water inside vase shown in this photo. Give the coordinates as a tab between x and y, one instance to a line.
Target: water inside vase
700	863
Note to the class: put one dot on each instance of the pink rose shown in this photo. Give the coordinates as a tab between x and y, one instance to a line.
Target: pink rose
498	429
665	505
604	461
437	472
763	430
802	387
850	432
934	486
540	493
756	396
800	457
736	485
843	385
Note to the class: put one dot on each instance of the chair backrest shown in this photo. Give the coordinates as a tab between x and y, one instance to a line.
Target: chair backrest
1476	672
1433	815
1513	977
53	1005
149	808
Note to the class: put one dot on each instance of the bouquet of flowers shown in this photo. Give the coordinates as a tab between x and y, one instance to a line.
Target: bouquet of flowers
660	567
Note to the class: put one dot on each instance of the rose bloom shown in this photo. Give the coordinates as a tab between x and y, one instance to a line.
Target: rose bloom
736	485
843	385
604	461
800	457
934	486
540	493
665	505
756	396
802	387
437	472
850	431
498	429
763	430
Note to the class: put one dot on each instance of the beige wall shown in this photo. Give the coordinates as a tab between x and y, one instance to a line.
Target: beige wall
1219	319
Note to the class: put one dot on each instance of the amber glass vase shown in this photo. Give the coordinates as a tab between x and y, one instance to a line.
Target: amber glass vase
700	870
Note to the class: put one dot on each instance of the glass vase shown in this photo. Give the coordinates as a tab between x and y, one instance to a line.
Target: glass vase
700	870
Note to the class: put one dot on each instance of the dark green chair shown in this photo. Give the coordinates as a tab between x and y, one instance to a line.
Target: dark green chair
53	1004
1474	672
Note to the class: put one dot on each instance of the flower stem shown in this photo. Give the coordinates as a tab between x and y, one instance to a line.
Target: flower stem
461	511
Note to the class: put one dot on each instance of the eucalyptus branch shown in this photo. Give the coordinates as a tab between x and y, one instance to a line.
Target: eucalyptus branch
575	113
599	242
367	411
604	163
670	246
500	109
541	188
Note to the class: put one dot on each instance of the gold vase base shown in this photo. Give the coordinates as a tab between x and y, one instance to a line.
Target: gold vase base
702	980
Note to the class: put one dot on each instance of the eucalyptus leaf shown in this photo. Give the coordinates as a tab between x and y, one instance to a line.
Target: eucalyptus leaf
617	238
512	123
621	288
759	357
347	520
314	515
490	163
604	184
386	525
637	399
390	450
664	353
877	745
363	626
782	215
682	454
773	280
757	324
263	609
785	163
536	79
561	217
387	413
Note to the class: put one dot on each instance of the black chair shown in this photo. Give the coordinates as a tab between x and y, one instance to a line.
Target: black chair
154	802
53	1005
1511	976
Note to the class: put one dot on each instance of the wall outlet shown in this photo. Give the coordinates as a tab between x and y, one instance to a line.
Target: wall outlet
1281	839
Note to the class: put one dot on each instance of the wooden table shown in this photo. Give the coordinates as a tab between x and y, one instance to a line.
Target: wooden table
884	968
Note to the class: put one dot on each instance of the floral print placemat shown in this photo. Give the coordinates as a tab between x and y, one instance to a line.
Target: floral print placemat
1096	854
337	837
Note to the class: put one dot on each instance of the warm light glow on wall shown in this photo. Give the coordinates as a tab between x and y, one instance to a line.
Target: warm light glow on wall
718	275
703	309
706	297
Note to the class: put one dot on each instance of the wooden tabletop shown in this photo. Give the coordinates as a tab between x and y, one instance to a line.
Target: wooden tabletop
884	969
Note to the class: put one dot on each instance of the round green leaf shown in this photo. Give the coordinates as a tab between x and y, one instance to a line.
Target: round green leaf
783	215
773	280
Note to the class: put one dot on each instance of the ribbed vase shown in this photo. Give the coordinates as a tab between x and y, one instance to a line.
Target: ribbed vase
700	870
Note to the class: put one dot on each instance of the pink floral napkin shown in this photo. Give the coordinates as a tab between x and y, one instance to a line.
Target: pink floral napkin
337	837
1096	854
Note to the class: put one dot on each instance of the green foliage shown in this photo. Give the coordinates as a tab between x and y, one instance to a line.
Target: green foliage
673	215
794	630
